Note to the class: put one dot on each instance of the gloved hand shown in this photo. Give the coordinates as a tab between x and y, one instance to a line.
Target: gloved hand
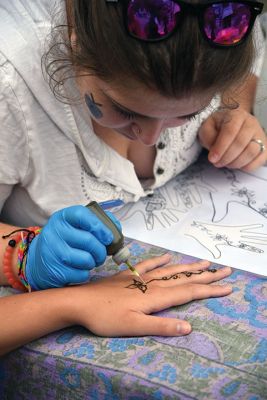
72	242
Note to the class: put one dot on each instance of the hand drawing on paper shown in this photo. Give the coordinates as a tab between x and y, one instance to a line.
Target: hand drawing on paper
212	236
169	204
154	211
188	188
218	209
245	196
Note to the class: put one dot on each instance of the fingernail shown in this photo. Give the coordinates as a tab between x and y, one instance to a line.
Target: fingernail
214	157
165	254
219	165
184	328
204	262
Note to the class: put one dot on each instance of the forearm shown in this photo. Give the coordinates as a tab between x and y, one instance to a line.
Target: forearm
29	316
5	230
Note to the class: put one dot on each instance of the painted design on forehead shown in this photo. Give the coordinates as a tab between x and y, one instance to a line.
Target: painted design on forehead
144	286
94	107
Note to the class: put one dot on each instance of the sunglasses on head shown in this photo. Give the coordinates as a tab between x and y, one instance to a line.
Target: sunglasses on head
222	23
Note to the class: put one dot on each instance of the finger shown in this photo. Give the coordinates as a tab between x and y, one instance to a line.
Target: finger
143	325
241	151
88	243
208	132
228	143
250	228
75	276
173	296
258	161
207	276
248	154
198	276
82	218
78	259
178	268
114	219
152	263
236	150
247	161
224	134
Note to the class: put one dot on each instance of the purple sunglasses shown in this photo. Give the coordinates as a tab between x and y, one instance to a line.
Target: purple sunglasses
222	23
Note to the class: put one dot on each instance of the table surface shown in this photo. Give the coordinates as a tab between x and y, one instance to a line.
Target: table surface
225	357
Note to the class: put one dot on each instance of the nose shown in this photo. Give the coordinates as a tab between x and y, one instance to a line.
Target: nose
151	129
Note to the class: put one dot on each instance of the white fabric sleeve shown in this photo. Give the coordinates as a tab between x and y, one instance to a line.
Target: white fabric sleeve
259	42
260	105
14	153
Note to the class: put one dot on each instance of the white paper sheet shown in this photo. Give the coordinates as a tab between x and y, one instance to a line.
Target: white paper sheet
214	214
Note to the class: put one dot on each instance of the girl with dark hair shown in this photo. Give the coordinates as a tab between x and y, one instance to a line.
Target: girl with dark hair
130	108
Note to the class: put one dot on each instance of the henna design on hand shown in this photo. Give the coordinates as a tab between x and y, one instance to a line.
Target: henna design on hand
144	286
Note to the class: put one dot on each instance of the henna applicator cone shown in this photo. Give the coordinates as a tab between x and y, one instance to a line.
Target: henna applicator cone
120	253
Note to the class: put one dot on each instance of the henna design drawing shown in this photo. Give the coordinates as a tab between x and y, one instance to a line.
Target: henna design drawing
93	106
218	210
242	237
144	286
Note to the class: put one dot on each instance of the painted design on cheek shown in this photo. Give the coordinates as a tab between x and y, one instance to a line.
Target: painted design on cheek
144	286
94	107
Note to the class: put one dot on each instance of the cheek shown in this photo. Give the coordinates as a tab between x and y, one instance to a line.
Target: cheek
112	120
104	116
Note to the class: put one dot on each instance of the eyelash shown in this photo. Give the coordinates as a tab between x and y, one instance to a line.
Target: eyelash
193	118
124	113
131	116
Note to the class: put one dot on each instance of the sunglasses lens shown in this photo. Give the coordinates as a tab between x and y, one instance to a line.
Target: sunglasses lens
152	19
227	23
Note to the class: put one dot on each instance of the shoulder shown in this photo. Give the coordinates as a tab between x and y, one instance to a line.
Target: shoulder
37	11
14	137
25	26
12	88
259	44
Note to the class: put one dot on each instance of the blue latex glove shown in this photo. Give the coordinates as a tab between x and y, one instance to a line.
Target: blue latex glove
72	242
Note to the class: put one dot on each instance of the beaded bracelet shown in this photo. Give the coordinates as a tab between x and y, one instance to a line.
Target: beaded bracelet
7	263
24	237
22	254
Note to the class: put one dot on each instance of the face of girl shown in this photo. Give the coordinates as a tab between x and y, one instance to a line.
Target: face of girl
136	112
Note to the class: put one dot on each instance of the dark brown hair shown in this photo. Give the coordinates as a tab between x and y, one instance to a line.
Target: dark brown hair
182	64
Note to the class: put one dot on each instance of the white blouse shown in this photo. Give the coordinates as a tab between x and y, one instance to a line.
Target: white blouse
50	157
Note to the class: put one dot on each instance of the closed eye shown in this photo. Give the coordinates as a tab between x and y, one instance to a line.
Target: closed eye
192	117
124	113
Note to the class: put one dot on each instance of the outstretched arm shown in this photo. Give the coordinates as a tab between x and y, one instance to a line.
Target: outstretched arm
29	316
115	306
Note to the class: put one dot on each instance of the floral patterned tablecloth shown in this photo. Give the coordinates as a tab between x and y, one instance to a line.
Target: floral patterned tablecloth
225	357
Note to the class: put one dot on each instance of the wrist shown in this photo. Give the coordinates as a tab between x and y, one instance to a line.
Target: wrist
64	304
245	107
81	308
